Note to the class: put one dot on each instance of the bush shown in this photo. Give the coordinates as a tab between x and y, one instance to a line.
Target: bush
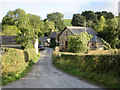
16	63
52	42
79	43
103	69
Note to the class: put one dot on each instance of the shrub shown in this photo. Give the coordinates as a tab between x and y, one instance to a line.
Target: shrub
79	43
52	42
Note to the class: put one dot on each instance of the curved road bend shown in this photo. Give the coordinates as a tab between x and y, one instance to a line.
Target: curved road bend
45	75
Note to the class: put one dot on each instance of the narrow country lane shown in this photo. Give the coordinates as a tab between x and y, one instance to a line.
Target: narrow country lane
45	75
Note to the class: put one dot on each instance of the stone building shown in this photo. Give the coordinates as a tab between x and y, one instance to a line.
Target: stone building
94	43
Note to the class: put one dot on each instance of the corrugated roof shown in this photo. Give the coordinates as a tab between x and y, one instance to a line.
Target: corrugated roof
78	30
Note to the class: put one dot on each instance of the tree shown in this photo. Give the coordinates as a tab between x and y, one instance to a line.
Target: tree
36	24
57	18
90	15
10	30
111	33
29	25
52	42
27	38
107	15
17	18
9	18
99	14
79	43
48	26
78	20
101	24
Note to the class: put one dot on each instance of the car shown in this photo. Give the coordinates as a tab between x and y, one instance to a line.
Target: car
41	47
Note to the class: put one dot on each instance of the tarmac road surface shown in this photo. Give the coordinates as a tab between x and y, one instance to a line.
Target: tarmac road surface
45	75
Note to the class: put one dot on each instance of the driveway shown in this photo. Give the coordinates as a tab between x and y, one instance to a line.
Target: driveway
45	75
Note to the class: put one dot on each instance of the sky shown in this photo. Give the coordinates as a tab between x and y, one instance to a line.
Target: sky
66	7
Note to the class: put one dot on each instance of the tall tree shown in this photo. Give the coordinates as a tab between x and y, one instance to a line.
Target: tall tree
57	18
99	14
9	18
20	18
107	15
101	24
48	26
111	33
78	20
90	15
36	24
16	18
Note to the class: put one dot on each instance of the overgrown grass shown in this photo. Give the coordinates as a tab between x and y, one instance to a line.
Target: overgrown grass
101	69
16	63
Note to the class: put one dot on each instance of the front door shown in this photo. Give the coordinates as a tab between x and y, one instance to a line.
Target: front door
66	44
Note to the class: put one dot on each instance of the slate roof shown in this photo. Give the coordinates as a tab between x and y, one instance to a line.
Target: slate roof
52	35
43	39
78	30
95	39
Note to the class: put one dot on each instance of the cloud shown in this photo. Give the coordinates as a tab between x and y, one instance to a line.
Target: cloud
112	7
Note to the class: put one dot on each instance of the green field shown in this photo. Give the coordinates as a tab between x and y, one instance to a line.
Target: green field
67	22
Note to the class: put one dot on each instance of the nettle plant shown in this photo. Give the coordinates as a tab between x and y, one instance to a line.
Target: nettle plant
79	43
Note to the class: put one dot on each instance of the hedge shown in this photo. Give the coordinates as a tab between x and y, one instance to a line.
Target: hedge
102	69
16	63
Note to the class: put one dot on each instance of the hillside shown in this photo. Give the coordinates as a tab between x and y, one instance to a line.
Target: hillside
67	22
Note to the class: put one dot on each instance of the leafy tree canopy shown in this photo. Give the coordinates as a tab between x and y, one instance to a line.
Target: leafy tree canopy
57	18
111	33
78	20
89	15
10	30
79	43
107	15
48	26
101	24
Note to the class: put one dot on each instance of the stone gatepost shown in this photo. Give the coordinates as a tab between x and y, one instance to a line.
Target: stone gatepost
36	46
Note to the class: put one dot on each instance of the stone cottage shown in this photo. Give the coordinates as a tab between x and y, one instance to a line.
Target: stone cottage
94	43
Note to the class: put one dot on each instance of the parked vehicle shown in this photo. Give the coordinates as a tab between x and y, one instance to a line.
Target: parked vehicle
41	47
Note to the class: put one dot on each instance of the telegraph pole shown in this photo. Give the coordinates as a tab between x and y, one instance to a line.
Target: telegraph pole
36	40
